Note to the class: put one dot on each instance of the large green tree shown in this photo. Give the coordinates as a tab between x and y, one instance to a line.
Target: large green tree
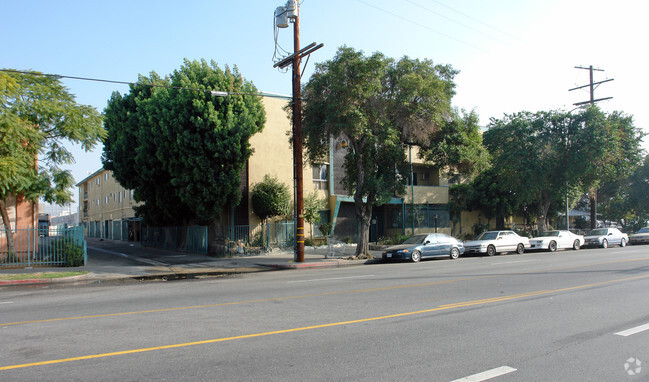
543	157
608	149
180	147
38	118
626	201
379	105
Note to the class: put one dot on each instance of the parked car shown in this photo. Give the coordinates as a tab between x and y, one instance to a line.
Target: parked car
492	242
640	237
554	240
423	246
603	237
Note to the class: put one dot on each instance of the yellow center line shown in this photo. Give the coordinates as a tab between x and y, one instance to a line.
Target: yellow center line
307	295
313	327
243	302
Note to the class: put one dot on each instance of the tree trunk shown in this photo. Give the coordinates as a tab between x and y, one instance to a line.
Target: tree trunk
592	197
7	224
363	219
542	214
363	213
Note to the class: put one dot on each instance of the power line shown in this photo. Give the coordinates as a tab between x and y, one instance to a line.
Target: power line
476	20
458	22
420	25
211	92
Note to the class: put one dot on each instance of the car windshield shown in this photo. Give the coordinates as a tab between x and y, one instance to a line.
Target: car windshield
644	230
487	236
550	233
597	232
416	239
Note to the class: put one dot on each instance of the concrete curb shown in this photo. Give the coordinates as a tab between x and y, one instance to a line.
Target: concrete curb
57	280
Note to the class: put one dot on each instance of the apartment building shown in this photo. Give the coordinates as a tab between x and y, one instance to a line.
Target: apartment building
106	208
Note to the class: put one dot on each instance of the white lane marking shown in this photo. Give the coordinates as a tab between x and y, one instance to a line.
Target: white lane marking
107	251
632	331
333	278
513	262
6	302
493	373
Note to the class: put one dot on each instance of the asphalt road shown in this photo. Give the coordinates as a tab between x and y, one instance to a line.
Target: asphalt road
567	316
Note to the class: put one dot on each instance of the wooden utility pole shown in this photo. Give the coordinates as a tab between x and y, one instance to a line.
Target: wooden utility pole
297	143
591	85
298	167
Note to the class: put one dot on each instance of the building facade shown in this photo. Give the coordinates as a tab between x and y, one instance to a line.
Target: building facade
106	208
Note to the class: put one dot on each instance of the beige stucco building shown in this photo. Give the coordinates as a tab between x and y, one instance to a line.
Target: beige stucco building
106	208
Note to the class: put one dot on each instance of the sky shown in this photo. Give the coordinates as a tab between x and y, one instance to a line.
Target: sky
512	55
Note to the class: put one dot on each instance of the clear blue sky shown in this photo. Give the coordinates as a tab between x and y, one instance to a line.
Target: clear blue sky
513	55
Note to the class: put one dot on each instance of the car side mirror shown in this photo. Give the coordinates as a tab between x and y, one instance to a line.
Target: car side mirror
610	234
500	238
426	242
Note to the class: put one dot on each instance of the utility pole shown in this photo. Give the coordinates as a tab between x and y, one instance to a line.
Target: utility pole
592	101
283	15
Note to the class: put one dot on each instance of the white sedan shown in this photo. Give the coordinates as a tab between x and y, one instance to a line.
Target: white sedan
554	240
492	242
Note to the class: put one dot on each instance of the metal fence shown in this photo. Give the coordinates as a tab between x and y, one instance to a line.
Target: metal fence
44	247
191	239
259	239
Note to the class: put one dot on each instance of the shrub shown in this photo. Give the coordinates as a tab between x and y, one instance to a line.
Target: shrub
394	239
67	249
325	228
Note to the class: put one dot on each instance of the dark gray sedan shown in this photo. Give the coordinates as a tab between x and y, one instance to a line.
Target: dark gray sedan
423	246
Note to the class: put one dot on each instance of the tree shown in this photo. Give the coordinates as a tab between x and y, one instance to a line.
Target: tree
312	206
379	106
38	115
543	157
180	148
609	150
626	201
270	198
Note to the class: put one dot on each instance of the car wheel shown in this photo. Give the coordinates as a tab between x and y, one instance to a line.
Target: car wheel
576	245
553	246
415	256
520	248
491	250
605	243
455	253
623	243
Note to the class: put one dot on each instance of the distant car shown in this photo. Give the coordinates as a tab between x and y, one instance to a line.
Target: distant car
603	237
492	242
423	246
640	237
554	240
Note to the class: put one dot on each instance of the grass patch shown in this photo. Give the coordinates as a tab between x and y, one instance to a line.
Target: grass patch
41	275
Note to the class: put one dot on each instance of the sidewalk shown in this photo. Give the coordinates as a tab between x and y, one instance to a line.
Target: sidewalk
113	260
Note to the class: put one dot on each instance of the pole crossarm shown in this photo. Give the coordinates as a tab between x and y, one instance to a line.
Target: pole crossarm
595	100
301	53
594	83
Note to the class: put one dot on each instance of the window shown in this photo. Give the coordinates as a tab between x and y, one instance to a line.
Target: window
321	176
106	199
